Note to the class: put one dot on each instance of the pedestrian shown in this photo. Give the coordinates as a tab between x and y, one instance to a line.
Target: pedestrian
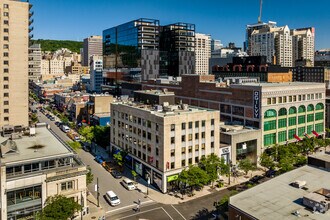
138	208
139	201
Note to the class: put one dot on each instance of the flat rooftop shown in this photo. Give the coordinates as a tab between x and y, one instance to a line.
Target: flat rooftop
52	147
155	92
282	84
276	199
236	129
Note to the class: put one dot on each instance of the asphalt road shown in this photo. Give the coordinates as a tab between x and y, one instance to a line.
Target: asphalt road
106	180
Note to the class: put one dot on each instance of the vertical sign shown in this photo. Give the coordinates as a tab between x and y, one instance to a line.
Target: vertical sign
256	104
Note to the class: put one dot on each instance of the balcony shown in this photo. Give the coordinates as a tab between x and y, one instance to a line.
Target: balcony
31	13
31	29
31	21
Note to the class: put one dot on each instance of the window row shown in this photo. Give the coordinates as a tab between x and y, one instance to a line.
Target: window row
271	113
294	98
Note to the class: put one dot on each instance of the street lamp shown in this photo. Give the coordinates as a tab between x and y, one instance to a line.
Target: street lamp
148	182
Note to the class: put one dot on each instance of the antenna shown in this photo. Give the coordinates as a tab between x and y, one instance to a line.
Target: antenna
260	12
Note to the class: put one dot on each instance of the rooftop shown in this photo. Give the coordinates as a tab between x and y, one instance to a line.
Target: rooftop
276	199
236	129
163	92
51	147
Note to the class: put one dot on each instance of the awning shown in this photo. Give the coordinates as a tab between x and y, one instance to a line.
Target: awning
296	137
315	133
129	158
116	151
306	135
172	178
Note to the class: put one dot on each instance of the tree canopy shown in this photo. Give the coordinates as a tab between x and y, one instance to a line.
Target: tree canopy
53	45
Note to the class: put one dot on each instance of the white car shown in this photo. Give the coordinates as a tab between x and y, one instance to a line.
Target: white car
128	184
112	198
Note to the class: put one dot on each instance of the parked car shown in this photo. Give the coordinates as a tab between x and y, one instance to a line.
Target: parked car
256	179
270	173
116	174
128	184
65	128
99	159
112	198
52	118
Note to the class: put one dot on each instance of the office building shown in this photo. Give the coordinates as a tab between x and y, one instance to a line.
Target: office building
35	167
253	66
177	46
92	46
216	45
202	53
281	111
322	58
301	193
163	139
303	44
14	41
96	72
311	74
34	62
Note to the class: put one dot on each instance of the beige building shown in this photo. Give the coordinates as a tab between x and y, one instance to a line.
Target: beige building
35	167
92	46
162	140
303	44
35	62
202	53
14	39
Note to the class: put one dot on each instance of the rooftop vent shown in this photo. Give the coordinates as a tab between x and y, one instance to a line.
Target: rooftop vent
298	184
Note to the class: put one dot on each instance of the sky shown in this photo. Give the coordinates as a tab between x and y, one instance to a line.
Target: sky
223	19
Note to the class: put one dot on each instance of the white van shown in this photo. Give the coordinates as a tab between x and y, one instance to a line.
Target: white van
65	128
128	184
112	198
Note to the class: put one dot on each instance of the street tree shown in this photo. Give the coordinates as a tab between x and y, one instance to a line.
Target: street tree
102	135
59	207
266	161
87	133
76	146
286	164
89	176
211	165
246	165
194	176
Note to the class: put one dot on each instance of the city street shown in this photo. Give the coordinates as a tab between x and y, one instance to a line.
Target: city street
106	180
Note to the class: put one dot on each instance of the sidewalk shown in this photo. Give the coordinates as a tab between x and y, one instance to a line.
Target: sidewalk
94	211
159	197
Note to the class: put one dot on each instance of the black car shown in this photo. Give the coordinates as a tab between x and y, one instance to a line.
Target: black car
270	173
256	179
116	174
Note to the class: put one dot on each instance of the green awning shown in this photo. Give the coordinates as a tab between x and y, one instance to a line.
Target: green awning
172	178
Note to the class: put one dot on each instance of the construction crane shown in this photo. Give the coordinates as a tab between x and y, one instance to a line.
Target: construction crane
260	13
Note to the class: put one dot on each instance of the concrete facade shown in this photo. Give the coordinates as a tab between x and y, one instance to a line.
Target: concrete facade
202	53
92	46
163	140
14	38
35	62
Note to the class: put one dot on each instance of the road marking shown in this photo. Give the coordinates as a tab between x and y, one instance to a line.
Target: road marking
178	212
142	212
129	206
167	213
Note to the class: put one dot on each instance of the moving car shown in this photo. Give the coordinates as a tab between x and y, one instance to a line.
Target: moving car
112	198
128	184
116	174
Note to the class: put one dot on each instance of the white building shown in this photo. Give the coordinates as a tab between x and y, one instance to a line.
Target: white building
202	53
34	62
216	45
96	72
303	44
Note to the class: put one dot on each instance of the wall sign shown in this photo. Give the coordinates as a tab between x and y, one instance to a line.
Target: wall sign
256	104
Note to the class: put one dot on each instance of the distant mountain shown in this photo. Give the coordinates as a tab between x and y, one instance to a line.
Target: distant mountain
53	45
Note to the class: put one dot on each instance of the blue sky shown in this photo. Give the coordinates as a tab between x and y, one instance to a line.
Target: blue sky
223	19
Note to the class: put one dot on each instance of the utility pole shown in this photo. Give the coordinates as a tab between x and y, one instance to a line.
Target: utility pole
97	190
82	205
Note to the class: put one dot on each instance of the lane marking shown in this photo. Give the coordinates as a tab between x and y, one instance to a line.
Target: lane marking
167	213
128	216
178	212
129	206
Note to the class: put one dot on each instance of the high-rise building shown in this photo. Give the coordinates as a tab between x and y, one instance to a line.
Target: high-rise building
14	41
216	45
34	62
250	28
177	46
322	57
303	44
202	53
96	73
92	46
273	42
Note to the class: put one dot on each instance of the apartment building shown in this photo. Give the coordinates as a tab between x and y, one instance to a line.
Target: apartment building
303	44
96	73
202	53
162	140
14	39
92	46
216	45
34	62
35	167
281	111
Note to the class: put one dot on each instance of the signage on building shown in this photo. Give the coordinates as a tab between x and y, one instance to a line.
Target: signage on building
256	104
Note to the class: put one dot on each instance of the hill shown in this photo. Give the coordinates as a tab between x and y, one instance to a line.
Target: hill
53	45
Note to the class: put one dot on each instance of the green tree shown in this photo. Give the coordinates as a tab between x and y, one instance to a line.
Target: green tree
286	164
194	176
266	161
88	133
134	174
59	207
222	204
76	146
102	135
246	165
89	176
34	118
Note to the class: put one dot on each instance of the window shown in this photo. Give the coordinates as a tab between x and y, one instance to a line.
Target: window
183	138
183	163
301	131
319	127
270	113
183	150
269	101
190	149
292	121
172	127
301	109
6	102
282	112
6	86
301	119
6	118
281	136
6	62
5	6
196	124
6	14
6	70
6	94
212	121
67	186
6	30
189	137
190	125
183	126
269	125
310	108
196	136
309	129
319	106
310	117
282	123
212	144
269	139
6	38
172	153
203	134
291	133
6	54
6	110
196	147
292	110
172	140
319	116
203	123
172	165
